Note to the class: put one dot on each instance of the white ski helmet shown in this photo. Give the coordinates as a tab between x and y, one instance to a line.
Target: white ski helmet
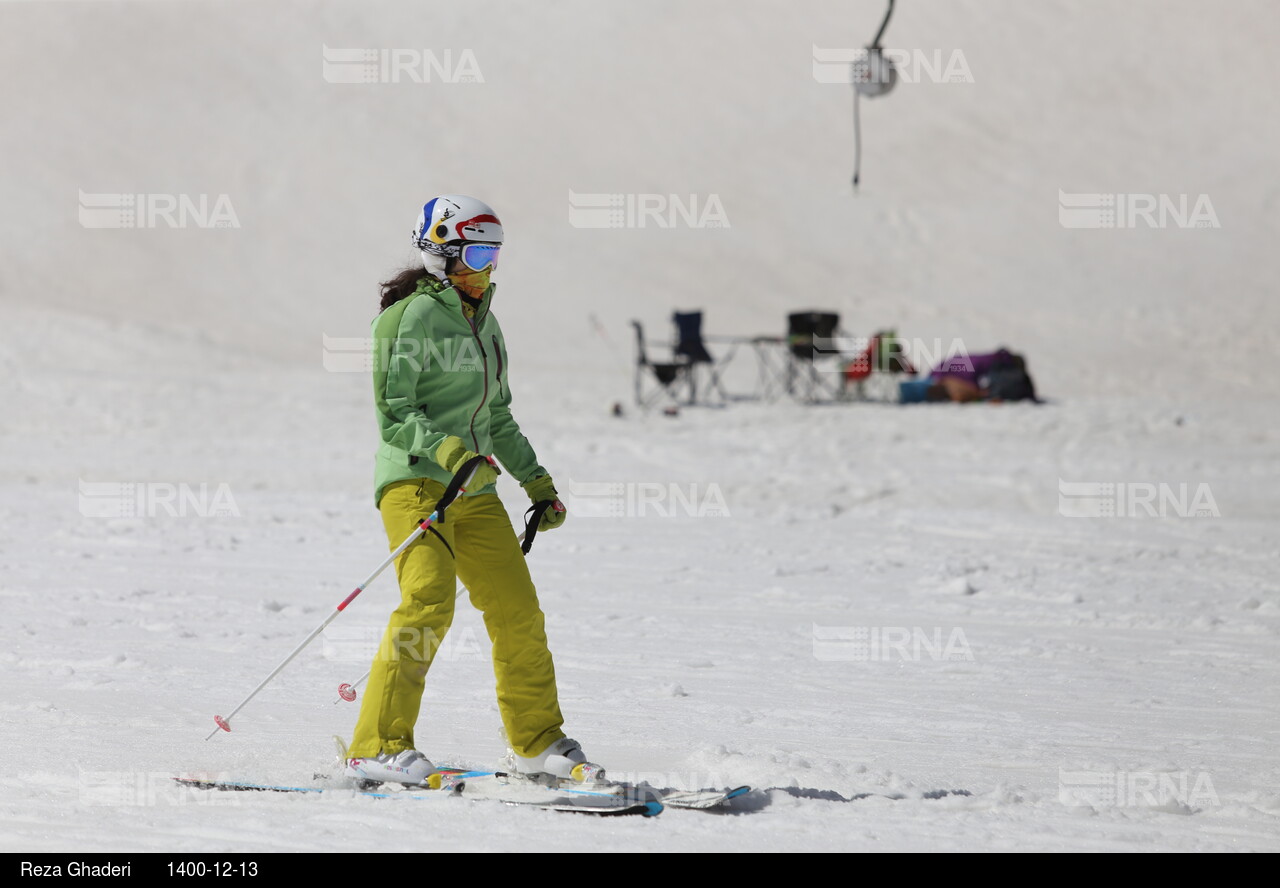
449	221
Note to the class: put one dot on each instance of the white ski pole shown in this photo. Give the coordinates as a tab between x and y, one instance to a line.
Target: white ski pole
347	690
458	487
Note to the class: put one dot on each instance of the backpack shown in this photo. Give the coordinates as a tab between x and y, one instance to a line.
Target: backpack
1008	380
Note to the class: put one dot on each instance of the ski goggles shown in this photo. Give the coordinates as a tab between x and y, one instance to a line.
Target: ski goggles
479	257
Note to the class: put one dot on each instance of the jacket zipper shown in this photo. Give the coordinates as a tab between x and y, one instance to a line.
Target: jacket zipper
498	354
484	399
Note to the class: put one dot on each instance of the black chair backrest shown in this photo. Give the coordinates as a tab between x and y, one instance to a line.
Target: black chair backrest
641	358
689	342
810	333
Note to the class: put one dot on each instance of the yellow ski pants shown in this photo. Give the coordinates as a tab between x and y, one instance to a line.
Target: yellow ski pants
492	567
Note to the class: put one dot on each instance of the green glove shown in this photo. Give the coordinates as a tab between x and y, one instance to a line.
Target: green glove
540	489
452	453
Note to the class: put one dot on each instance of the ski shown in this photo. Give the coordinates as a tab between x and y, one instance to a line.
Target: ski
830	795
699	799
482	780
546	798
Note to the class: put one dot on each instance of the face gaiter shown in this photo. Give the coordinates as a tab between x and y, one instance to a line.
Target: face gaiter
471	284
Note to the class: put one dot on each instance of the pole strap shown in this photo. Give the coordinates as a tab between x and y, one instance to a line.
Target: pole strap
532	518
458	483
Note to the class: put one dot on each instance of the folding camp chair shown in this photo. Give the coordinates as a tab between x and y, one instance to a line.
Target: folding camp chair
813	356
654	380
693	349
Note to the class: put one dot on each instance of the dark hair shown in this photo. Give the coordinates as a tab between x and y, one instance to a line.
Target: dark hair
401	286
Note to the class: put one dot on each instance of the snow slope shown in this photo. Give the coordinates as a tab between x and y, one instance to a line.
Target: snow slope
690	650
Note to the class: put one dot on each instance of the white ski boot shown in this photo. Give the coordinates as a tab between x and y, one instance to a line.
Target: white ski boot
409	767
562	760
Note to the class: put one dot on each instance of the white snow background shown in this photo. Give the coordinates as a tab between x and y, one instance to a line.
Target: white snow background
1133	652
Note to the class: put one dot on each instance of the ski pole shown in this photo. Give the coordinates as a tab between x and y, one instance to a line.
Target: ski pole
456	486
347	690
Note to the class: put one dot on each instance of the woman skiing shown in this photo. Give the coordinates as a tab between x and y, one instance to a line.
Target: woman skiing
443	395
